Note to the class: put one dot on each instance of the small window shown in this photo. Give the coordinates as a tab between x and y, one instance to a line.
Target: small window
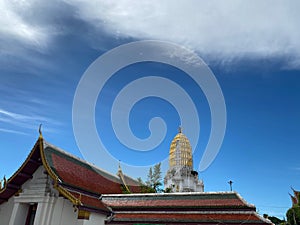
31	214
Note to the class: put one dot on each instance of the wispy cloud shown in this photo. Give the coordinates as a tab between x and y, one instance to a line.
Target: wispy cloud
30	28
21	31
23	122
12	131
219	29
13	25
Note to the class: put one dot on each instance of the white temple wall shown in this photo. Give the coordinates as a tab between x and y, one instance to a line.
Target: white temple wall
51	209
5	211
95	219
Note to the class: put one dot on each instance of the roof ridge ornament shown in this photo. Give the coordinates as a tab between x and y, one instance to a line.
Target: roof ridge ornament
230	184
40	131
121	176
4	183
119	169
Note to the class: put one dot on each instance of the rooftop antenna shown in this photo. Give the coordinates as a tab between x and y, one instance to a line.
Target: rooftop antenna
230	184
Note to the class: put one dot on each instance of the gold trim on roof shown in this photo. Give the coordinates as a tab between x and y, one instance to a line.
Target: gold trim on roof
121	175
83	214
55	178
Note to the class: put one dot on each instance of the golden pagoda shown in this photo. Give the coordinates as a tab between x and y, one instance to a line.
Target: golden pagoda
180	151
181	177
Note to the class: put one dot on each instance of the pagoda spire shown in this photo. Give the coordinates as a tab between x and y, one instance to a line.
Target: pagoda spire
180	129
181	177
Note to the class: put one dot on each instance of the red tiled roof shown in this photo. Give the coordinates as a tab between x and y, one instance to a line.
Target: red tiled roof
182	208
190	217
91	203
75	179
191	200
84	182
75	173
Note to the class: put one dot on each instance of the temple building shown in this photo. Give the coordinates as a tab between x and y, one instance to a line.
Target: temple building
181	177
53	187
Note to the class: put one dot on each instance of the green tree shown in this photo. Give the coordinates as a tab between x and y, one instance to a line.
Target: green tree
157	178
154	178
153	183
293	215
144	187
276	220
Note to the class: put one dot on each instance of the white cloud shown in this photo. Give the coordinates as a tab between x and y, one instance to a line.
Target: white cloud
224	29
14	26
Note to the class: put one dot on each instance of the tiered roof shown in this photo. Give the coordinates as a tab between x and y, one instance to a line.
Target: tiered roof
77	180
182	208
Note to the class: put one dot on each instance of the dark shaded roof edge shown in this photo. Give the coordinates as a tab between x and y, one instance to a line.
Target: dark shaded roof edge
40	160
18	172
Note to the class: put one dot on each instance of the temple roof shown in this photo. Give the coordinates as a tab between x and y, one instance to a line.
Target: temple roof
75	179
216	200
93	189
182	208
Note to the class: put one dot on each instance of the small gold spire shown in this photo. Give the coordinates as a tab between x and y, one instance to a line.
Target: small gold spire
179	129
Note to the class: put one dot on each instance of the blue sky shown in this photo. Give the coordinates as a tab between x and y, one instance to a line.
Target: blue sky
252	48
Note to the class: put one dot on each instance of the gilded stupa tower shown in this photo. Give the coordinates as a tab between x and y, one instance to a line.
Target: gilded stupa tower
181	177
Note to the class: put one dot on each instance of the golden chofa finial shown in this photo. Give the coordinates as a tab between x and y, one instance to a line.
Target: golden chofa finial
40	131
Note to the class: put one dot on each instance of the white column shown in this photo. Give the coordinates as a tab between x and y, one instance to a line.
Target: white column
44	211
57	211
19	214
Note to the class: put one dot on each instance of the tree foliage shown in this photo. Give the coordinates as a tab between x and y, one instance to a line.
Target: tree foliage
153	183
144	187
124	189
154	178
293	215
276	220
